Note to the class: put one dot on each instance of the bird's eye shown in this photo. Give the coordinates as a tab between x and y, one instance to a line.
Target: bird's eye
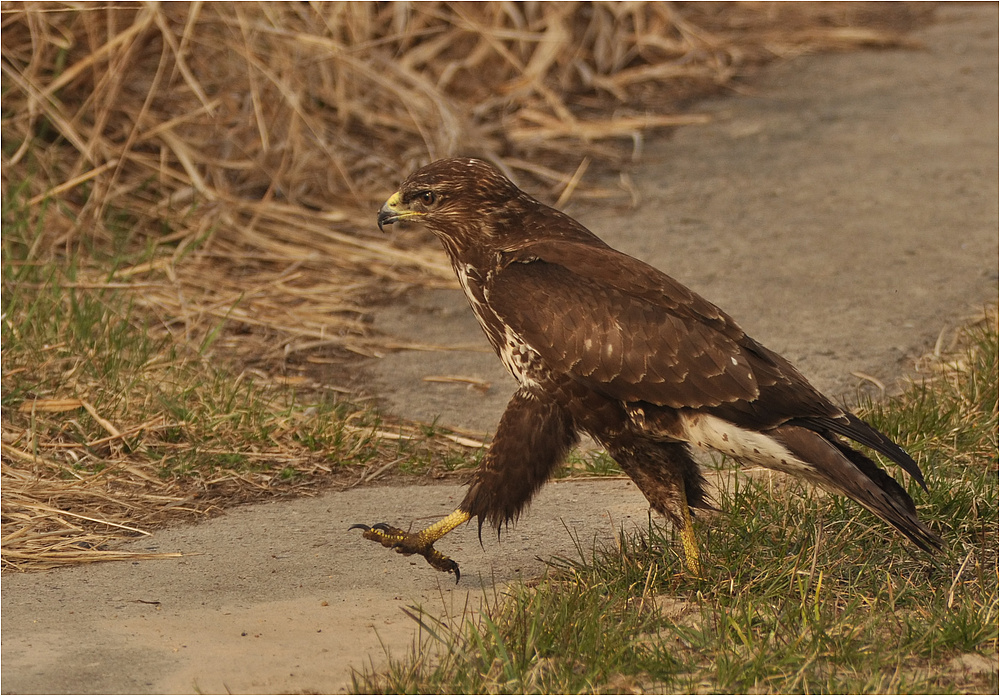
428	198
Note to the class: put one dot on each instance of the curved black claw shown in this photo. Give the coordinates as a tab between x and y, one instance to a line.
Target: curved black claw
408	543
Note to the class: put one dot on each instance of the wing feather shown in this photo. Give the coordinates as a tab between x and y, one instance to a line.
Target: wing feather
631	332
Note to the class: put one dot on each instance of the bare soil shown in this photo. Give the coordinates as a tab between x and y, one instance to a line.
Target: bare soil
844	210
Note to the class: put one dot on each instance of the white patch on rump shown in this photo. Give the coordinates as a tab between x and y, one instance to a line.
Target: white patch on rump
748	446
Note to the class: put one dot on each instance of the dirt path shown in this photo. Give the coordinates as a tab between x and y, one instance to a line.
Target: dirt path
845	214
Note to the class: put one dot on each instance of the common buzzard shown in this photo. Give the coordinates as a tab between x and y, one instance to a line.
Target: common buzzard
604	344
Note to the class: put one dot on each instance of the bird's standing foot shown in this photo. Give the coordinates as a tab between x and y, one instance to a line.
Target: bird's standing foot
689	541
422	542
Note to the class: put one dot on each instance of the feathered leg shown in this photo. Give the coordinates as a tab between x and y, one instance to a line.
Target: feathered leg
533	436
672	482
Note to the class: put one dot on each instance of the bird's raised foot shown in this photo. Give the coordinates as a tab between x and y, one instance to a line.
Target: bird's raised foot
408	543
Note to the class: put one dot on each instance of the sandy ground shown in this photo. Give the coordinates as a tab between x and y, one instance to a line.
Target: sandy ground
845	213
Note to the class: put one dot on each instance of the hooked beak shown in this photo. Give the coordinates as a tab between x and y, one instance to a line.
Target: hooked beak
391	212
386	216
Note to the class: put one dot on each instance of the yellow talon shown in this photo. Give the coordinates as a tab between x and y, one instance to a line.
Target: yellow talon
422	542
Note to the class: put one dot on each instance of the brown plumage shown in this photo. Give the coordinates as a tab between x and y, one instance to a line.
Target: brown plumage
605	344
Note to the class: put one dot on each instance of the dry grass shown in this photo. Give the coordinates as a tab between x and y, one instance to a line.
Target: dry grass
56	514
74	481
251	142
214	168
45	534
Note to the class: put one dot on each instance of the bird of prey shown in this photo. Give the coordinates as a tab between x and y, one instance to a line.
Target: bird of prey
604	344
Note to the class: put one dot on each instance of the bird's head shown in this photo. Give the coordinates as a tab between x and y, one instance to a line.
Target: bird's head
449	195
